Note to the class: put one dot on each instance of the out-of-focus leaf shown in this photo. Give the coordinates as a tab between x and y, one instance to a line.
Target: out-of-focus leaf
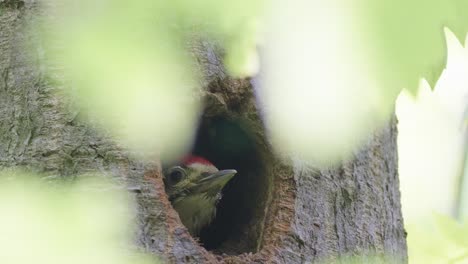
407	38
87	222
428	243
333	69
242	57
453	230
130	66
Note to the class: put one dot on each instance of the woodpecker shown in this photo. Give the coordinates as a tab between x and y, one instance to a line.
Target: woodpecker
194	189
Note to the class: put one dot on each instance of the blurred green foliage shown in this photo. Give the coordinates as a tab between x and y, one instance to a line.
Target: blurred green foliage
334	69
408	38
440	239
130	63
331	71
85	222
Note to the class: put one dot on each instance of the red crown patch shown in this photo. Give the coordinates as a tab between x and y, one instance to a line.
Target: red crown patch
190	159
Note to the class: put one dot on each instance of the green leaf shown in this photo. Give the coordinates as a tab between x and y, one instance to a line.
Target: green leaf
408	38
88	221
453	230
333	69
132	68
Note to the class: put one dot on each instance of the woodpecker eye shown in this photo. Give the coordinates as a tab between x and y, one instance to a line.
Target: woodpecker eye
175	174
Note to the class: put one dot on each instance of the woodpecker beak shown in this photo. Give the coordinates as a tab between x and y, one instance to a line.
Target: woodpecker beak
224	175
216	181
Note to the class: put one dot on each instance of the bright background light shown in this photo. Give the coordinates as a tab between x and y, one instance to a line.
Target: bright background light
431	144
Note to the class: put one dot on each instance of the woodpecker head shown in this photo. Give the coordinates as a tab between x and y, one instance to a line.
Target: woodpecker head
194	189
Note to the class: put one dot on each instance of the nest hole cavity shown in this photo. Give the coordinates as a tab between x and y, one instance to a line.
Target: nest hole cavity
229	144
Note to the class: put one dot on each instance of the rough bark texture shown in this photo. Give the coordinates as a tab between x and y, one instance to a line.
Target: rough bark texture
300	214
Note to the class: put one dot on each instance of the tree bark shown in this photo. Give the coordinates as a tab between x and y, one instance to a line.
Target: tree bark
284	211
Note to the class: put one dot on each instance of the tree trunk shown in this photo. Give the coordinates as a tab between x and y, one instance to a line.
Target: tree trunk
274	211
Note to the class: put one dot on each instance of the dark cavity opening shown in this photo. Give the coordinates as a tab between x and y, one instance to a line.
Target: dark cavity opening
230	145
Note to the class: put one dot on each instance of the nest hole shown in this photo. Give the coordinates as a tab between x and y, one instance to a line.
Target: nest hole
237	226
